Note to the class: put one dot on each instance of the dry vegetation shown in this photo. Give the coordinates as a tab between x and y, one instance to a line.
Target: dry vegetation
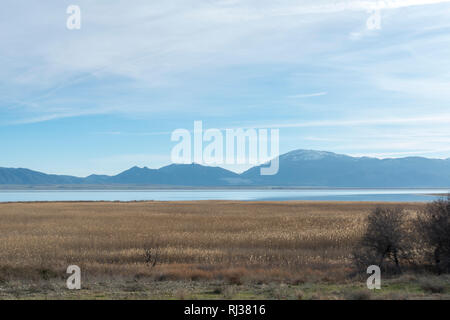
234	242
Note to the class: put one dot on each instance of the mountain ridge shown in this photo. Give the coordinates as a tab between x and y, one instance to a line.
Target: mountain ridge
297	168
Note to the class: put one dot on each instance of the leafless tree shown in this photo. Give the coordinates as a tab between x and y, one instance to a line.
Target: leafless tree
433	226
385	240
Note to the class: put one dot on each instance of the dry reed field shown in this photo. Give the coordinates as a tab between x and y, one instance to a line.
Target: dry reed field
197	240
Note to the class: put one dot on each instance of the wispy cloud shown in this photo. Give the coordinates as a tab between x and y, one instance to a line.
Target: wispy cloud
308	95
189	42
125	133
431	119
401	154
346	5
61	115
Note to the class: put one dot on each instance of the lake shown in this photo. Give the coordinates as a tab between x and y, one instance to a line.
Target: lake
393	195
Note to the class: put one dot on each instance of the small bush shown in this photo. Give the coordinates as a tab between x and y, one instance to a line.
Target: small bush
151	257
217	290
362	294
47	274
234	279
299	294
432	286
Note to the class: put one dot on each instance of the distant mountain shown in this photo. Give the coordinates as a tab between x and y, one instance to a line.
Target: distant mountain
320	168
177	175
25	176
172	175
296	168
138	175
198	175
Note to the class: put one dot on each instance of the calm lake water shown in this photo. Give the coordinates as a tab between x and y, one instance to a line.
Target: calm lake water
402	195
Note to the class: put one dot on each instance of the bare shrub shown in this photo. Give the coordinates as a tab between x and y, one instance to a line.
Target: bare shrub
151	257
433	226
385	241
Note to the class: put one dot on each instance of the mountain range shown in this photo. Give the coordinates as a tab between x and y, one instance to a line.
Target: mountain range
299	168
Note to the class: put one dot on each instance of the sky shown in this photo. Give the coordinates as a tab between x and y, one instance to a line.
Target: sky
106	97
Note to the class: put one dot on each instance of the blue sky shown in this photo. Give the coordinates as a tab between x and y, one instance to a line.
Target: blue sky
106	97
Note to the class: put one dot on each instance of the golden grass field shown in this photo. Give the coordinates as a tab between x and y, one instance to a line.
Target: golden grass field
215	241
